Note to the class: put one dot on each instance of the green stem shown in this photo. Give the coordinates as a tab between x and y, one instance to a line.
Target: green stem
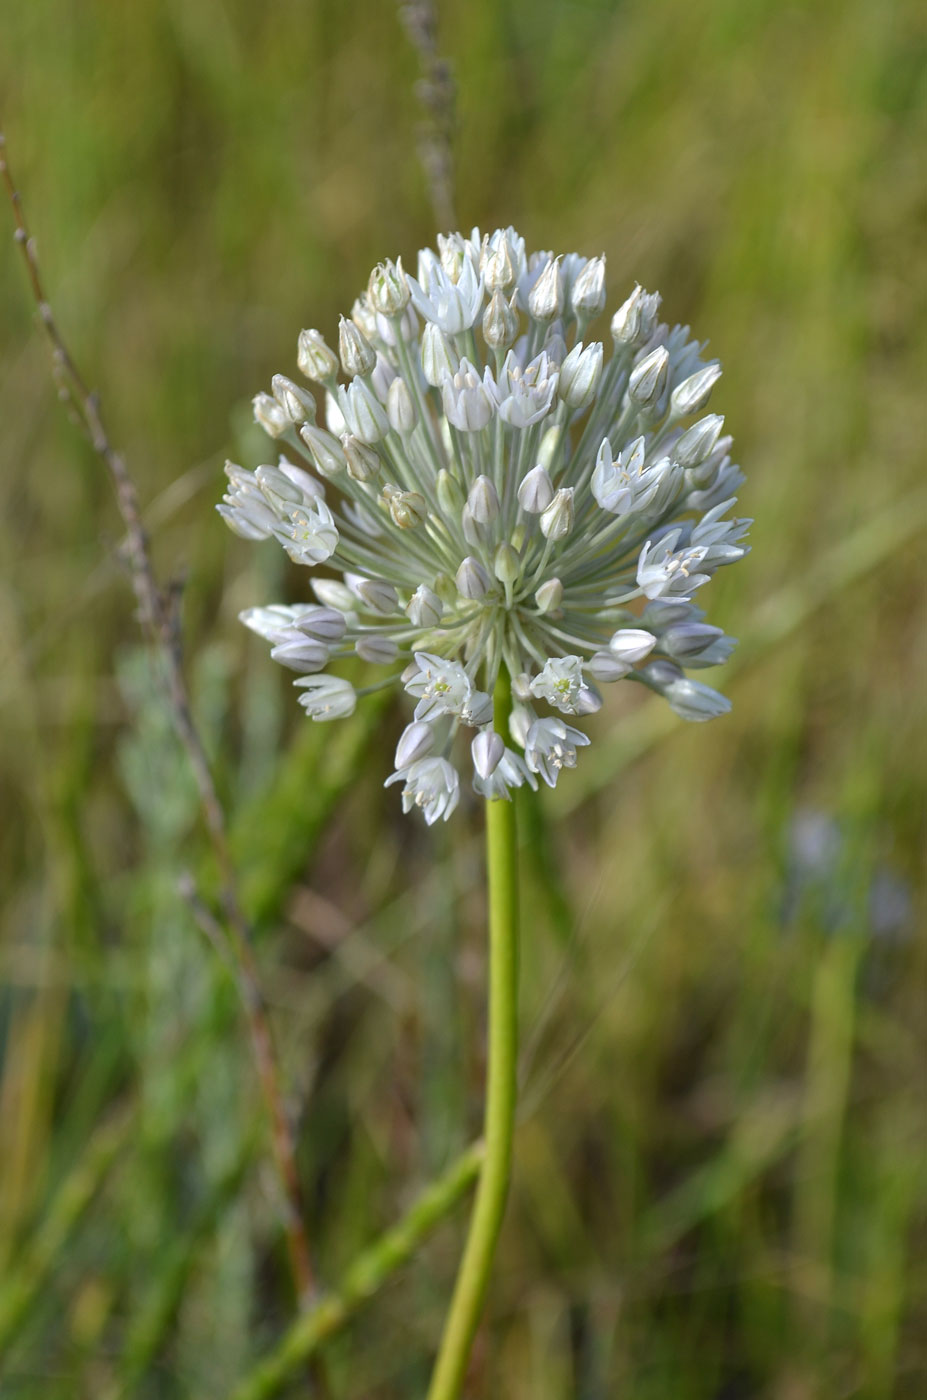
365	1277
486	1221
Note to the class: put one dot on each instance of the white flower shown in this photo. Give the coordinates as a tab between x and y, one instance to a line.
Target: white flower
441	687
432	785
551	745
560	683
514	500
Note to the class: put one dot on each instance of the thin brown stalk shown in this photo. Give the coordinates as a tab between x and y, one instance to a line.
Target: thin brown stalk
159	617
436	92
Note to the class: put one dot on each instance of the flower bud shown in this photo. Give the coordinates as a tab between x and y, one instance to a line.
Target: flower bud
698	442
693	393
424	608
450	496
378	596
580	374
632	644
549	596
473	532
536	491
545	300
400	408
379	651
363	462
648	378
416	740
315	359
331	593
297	403
357	354
388	290
588	701
270	416
439	358
408	509
506	564
472	579
363	415
477	709
327	697
325	624
500	323
487	750
557	519
327	452
499	269
483	501
604	666
304	654
382	377
634	322
364	316
588	294
521	719
551	444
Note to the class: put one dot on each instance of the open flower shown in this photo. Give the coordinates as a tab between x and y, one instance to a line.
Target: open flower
498	493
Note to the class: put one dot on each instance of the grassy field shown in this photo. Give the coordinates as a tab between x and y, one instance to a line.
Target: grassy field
721	1179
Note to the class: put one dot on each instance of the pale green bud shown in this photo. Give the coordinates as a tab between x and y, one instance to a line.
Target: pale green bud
483	501
450	496
648	378
472	579
500	323
270	416
400	407
425	608
439	358
298	404
357	354
545	300
549	596
557	519
315	359
388	290
327	452
506	564
588	294
363	463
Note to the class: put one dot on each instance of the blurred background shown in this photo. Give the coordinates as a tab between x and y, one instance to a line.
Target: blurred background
720	1188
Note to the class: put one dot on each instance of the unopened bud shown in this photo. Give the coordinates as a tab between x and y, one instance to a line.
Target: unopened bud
536	491
551	444
400	408
499	269
557	519
487	750
416	740
327	452
632	644
483	501
500	323
450	496
549	596
270	416
545	300
315	359
580	374
379	651
588	701
378	596
693	393
648	378
363	463
357	354
298	404
387	290
588	295
698	442
604	666
424	608
382	377
472	579
407	509
634	321
439	358
506	564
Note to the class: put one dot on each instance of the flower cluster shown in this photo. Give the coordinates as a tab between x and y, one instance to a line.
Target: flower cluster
493	492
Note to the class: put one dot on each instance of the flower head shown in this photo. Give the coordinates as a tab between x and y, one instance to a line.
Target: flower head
499	492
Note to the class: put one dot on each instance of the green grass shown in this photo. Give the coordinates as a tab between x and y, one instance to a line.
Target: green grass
720	1189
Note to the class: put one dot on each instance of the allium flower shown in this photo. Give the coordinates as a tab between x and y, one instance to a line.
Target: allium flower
498	493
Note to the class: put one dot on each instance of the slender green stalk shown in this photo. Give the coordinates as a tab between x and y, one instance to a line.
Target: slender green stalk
367	1274
486	1221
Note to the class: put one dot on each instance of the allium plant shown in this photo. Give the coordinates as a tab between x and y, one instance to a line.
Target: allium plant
516	521
496	496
